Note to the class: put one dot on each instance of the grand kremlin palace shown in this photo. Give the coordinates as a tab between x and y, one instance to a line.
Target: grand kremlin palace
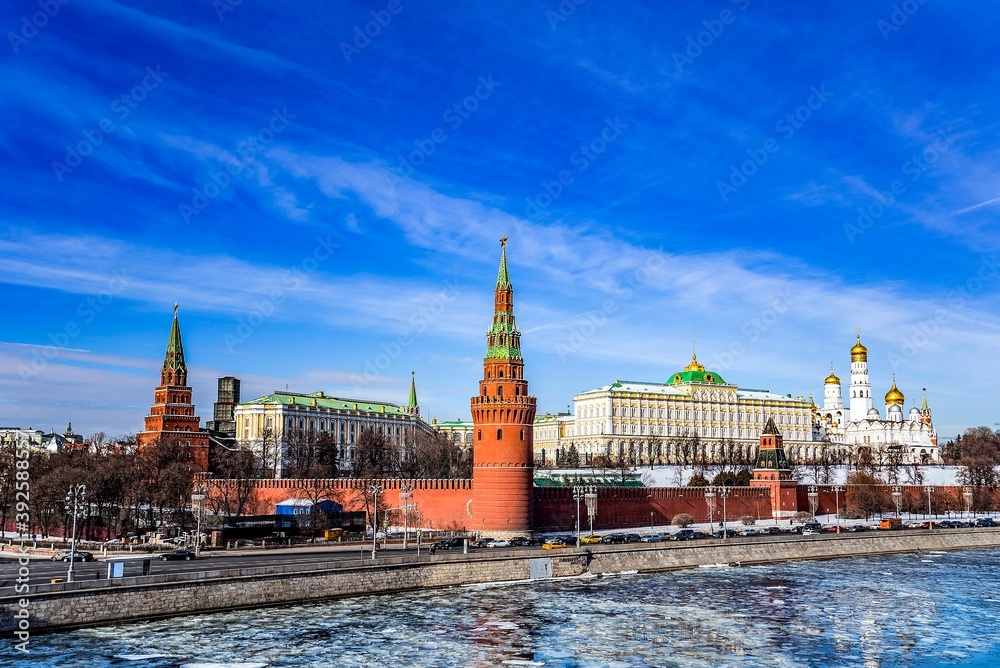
650	422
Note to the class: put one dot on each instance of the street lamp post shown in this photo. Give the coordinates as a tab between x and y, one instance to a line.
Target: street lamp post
374	490
930	514
74	498
967	495
404	502
897	497
590	498
813	499
724	493
199	496
650	520
710	502
578	493
837	489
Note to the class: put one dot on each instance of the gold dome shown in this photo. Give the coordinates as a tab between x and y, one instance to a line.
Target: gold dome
832	378
695	365
894	397
859	353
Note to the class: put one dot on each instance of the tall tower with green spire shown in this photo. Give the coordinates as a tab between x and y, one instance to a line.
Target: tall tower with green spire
503	415
171	418
412	407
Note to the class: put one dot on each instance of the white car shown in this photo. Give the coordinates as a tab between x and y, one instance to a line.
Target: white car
498	543
810	532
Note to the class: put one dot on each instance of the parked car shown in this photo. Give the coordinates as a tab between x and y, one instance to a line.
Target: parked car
749	532
810	532
815	526
652	538
856	528
731	533
450	544
65	556
614	538
686	534
498	543
770	531
632	538
592	539
483	542
986	522
177	555
520	541
553	544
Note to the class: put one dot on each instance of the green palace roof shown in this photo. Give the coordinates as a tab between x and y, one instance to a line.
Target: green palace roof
695	373
320	400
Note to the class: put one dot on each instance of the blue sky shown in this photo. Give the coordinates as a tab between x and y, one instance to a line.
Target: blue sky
325	205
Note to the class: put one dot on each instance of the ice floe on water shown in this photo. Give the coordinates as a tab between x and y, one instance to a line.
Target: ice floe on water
838	613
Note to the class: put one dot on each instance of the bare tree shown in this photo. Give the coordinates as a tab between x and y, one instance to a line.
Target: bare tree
979	455
865	494
234	493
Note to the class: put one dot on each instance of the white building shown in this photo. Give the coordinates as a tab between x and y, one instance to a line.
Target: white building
859	425
653	422
39	440
271	421
458	432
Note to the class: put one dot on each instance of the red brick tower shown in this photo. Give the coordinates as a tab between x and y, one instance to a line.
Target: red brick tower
172	417
503	416
772	470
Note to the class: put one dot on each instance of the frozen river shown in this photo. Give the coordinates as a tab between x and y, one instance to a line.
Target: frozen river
929	609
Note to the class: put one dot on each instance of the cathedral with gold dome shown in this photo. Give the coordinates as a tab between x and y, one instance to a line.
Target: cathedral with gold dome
859	428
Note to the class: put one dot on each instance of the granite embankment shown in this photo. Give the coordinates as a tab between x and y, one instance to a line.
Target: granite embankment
91	603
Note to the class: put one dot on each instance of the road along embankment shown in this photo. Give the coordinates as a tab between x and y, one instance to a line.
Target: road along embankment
93	603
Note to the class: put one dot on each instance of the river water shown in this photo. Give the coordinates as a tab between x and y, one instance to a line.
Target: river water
927	609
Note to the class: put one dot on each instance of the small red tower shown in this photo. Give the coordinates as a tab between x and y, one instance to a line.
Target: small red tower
503	416
772	471
171	417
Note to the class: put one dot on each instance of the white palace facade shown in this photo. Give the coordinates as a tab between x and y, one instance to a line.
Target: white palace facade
695	409
650	422
270	422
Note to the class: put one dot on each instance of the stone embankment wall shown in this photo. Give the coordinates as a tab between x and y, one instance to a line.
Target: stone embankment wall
93	603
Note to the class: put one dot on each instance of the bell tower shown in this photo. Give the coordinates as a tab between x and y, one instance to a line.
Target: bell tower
503	415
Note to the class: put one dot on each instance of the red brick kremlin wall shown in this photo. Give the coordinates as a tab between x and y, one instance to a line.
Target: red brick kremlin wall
441	504
444	504
621	507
